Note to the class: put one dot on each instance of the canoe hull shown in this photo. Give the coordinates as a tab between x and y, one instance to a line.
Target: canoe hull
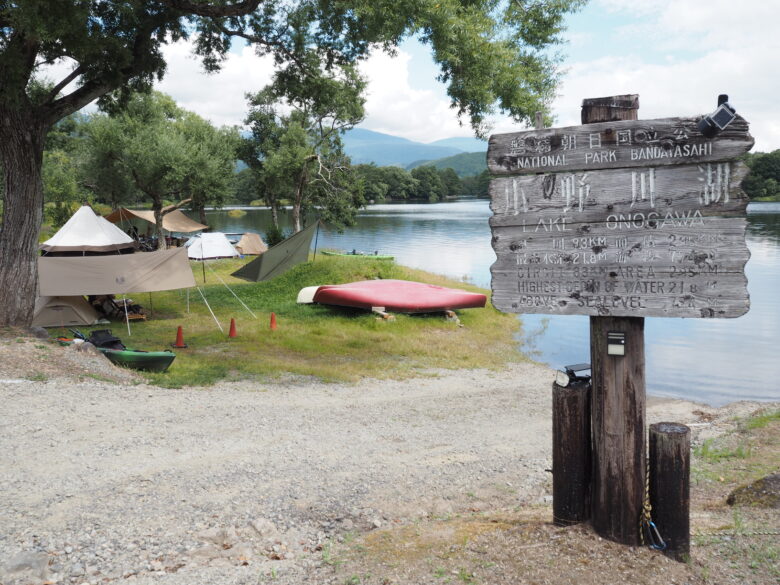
400	296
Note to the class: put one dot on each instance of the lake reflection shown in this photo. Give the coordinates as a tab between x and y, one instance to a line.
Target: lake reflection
709	360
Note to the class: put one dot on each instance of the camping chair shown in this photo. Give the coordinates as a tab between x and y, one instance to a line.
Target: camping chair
114	309
104	338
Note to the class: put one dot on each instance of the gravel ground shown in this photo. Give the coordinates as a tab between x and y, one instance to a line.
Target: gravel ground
107	481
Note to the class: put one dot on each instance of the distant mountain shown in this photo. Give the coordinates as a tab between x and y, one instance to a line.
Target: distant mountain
465	144
367	146
465	164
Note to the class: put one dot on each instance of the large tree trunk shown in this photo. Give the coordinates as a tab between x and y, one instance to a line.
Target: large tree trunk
21	153
296	216
298	202
158	222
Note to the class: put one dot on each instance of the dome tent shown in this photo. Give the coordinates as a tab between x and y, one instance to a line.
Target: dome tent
251	243
58	311
210	245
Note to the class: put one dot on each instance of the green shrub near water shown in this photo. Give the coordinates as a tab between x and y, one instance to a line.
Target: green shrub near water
312	340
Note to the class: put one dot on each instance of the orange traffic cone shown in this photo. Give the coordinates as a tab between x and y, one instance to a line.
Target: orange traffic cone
273	321
232	328
179	339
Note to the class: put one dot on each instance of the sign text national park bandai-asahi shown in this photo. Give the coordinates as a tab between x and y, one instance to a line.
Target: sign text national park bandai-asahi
630	218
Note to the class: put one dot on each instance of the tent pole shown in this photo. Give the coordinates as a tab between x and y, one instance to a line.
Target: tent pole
127	317
316	239
231	292
210	311
203	265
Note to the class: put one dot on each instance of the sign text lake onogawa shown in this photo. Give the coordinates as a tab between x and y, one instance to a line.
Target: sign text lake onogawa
628	218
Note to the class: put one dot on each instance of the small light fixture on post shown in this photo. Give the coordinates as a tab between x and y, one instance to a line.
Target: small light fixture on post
711	124
571	375
616	343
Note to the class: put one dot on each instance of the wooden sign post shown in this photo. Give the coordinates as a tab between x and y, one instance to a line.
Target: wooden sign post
620	219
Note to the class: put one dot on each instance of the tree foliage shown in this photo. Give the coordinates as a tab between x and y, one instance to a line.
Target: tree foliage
491	56
430	184
295	146
156	149
423	183
245	187
763	182
61	188
477	186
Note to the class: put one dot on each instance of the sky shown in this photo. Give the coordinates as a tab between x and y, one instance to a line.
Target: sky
678	55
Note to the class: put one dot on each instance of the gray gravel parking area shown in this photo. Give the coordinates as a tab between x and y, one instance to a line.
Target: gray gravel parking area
103	482
241	482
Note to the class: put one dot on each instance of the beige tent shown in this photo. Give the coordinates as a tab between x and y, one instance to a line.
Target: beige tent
86	231
119	274
63	312
251	243
173	221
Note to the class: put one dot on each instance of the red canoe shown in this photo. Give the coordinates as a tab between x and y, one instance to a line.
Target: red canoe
400	296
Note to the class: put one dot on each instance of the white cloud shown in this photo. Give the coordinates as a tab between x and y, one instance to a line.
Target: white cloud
706	47
218	97
395	107
698	24
735	54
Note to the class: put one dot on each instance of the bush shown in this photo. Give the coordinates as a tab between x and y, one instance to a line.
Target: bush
275	234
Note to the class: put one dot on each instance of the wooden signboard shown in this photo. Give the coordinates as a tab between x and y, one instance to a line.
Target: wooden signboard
631	218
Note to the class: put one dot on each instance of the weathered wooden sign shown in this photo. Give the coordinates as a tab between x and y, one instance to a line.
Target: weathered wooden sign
632	218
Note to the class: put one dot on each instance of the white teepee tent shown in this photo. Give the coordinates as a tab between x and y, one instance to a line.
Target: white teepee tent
86	231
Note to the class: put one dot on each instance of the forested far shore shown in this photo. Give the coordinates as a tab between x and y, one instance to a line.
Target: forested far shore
108	161
763	181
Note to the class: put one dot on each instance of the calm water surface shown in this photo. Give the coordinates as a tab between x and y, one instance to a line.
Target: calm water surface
709	360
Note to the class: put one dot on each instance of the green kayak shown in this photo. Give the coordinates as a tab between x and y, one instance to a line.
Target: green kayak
136	359
358	255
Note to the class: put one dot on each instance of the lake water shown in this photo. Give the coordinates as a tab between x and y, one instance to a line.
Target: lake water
709	360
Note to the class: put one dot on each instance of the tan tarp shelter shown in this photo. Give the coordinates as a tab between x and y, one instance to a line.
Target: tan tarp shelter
63	312
173	221
279	258
86	231
116	274
251	243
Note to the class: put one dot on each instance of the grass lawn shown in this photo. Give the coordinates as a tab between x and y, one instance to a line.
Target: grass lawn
311	340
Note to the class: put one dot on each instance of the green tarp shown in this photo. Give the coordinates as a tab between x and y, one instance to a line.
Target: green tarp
280	258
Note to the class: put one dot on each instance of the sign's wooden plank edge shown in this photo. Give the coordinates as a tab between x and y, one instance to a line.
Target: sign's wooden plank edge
704	190
662	142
